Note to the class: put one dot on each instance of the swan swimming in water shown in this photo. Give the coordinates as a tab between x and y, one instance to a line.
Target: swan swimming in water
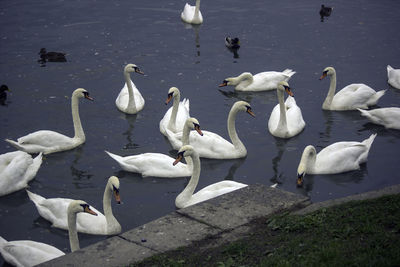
16	170
351	97
31	253
388	117
393	76
130	100
286	119
55	211
46	141
157	164
175	117
186	198
192	14
335	158
263	81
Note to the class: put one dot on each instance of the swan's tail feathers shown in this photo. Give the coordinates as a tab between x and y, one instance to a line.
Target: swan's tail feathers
374	99
364	112
2	241
289	72
389	68
368	142
186	103
115	157
14	144
35	197
34	167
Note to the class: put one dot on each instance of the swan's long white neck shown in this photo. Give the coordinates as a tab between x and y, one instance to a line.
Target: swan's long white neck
196	10
331	93
231	123
131	102
72	232
243	80
175	106
79	134
187	193
110	219
185	141
282	124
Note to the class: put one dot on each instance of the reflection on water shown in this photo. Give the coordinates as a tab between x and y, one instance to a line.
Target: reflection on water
329	118
81	177
232	170
129	132
281	146
196	29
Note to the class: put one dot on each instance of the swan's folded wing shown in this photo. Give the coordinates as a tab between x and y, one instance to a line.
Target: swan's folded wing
210	144
45	138
354	95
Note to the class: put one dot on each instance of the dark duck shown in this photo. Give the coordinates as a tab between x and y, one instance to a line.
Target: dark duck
232	43
325	11
51	56
3	94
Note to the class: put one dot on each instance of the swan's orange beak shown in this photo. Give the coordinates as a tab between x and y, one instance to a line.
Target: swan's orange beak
224	83
300	177
178	159
88	210
168	99
288	91
117	196
250	112
323	75
197	128
137	70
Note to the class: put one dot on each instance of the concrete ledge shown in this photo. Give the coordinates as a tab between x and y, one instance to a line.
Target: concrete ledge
220	219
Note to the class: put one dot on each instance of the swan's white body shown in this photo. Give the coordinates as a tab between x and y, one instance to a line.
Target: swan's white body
286	119
212	145
46	141
16	170
388	117
55	211
130	100
335	158
192	14
157	164
351	97
24	253
186	198
393	76
263	81
175	117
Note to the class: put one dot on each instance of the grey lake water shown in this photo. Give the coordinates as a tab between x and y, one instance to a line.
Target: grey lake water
359	39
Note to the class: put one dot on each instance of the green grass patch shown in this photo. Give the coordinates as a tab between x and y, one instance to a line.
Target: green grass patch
358	233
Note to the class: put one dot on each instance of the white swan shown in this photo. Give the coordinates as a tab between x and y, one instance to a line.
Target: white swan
175	117
192	14
388	117
186	198
157	164
16	170
212	145
393	76
130	100
286	119
55	211
46	141
263	81
24	253
351	97
335	158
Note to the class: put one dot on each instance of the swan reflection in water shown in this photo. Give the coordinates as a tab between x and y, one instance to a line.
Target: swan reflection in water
131	119
196	29
81	178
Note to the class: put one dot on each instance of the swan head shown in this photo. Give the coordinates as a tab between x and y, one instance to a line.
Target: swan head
77	206
81	93
243	106
307	159
284	86
194	124
113	185
328	71
184	151
228	81
172	92
132	68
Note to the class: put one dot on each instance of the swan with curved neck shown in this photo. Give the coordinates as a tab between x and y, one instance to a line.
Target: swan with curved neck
55	210
286	119
31	253
263	81
176	116
351	97
157	164
186	198
130	100
212	145
336	158
46	141
192	14
16	170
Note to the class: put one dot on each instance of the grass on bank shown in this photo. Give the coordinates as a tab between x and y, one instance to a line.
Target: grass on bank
358	233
